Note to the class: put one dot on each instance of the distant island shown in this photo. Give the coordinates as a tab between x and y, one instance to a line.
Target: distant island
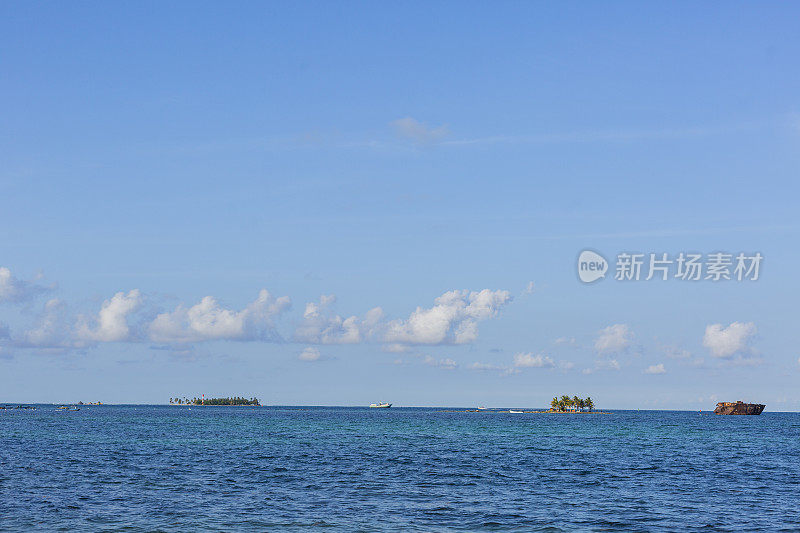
236	400
571	405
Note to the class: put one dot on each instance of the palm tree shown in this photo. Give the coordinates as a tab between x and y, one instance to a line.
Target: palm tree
589	403
576	402
567	401
554	404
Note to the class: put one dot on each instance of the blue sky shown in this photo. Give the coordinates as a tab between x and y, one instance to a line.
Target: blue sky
155	155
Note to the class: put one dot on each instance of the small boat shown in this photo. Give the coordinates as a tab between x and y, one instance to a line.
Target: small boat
481	408
513	411
380	405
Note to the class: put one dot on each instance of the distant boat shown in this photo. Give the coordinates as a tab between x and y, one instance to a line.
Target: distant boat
513	411
481	408
380	405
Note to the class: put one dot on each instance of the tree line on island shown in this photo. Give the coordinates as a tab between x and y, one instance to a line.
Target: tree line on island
236	400
566	404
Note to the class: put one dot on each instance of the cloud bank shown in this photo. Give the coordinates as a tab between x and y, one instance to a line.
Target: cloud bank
15	290
207	321
321	325
132	317
452	320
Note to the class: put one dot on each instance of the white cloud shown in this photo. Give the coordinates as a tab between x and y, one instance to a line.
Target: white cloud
112	320
416	131
568	341
309	354
488	367
447	364
321	325
208	321
655	369
726	342
452	320
603	364
395	348
524	360
530	288
14	290
52	329
675	352
746	360
528	360
613	339
485	366
683	356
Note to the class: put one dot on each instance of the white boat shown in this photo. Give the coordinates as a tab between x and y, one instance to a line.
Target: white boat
481	408
380	405
513	411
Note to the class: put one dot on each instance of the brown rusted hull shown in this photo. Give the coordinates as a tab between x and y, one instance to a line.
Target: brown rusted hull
738	408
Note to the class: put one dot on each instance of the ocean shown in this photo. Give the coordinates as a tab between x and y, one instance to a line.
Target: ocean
167	468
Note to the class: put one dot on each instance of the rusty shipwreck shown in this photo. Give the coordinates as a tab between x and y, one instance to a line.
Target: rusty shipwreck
738	408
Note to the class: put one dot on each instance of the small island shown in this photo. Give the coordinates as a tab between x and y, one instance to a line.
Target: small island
236	400
563	405
571	405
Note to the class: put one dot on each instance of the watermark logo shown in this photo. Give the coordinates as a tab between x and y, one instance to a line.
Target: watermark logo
684	266
591	266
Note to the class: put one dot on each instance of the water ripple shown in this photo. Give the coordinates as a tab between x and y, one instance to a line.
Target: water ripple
147	468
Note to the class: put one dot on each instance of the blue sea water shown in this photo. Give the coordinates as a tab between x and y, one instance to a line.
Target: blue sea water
160	468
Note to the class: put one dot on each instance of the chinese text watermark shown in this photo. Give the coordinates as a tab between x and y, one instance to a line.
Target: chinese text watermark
684	266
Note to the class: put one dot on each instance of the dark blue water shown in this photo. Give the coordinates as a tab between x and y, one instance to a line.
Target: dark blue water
147	468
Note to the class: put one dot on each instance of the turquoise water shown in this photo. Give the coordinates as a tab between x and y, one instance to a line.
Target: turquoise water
147	468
